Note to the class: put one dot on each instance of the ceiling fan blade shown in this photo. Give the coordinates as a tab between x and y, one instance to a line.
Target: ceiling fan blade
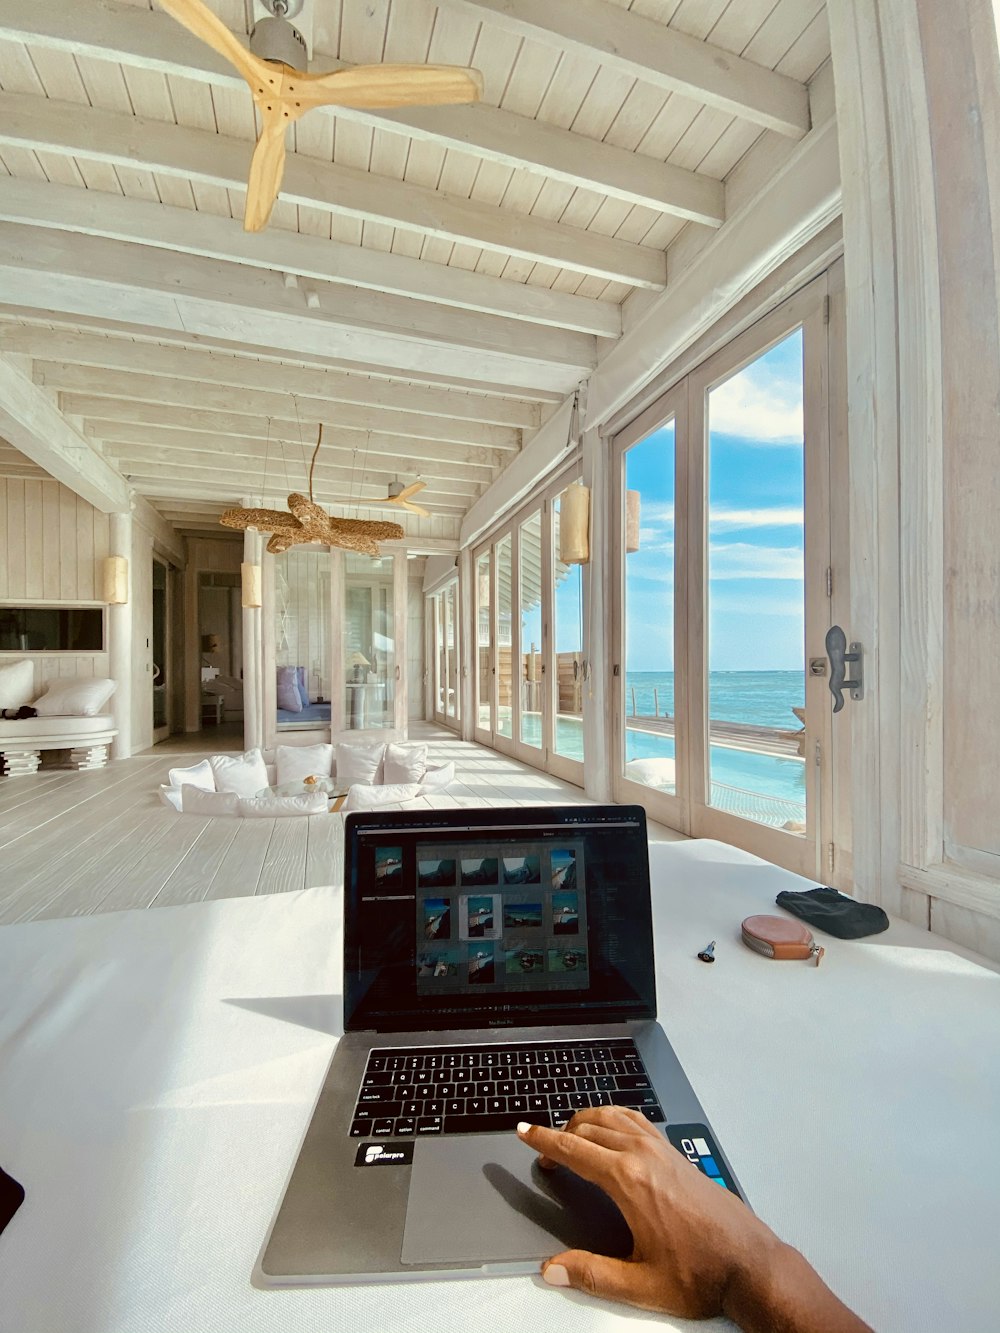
267	167
391	86
416	509
199	19
414	489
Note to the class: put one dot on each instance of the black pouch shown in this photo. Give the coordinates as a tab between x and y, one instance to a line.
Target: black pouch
836	913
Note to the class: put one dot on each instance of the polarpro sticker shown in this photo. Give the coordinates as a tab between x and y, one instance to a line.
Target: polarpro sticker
695	1142
384	1154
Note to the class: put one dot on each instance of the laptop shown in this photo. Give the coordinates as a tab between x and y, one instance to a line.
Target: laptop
498	967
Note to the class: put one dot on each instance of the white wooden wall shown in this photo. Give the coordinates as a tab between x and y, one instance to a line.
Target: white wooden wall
51	545
920	143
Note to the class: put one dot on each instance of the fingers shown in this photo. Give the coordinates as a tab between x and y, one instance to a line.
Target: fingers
614	1279
589	1160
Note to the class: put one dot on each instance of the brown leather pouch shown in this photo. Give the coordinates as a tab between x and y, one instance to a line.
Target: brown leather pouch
777	937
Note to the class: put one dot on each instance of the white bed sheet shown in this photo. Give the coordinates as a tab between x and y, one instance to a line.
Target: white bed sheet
158	1068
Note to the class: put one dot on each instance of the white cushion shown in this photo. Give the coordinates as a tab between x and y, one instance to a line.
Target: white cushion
358	763
75	697
198	775
279	807
436	778
17	683
69	727
244	774
197	801
404	763
371	798
171	796
302	761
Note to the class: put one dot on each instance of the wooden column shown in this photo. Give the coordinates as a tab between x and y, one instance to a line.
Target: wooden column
120	663
253	704
598	749
465	606
400	612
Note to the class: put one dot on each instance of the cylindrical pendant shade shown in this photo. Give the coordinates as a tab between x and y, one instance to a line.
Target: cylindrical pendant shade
114	580
251	584
574	524
632	511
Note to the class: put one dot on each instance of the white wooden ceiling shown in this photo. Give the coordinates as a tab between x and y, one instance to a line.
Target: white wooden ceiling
433	282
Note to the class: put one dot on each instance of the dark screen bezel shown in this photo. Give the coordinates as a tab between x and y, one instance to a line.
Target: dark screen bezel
431	1016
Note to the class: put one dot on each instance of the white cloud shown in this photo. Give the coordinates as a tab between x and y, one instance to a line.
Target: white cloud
741	560
656	511
730	520
757	406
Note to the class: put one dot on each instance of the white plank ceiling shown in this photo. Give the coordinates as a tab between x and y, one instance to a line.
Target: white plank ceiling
433	281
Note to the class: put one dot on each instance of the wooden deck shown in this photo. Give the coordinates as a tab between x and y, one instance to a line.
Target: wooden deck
76	843
735	735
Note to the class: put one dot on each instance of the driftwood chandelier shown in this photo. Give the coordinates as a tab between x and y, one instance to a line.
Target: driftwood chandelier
304	522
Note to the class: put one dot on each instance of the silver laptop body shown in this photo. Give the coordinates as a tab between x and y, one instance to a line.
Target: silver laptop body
496	942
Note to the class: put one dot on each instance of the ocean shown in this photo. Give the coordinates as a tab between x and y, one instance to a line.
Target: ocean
764	698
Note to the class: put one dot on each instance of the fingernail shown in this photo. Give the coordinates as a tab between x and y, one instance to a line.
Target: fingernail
556	1276
523	1126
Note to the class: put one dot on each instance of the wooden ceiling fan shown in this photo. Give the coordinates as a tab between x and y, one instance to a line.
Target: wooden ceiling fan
400	496
283	92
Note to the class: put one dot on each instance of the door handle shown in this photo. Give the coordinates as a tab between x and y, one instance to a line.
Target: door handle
837	651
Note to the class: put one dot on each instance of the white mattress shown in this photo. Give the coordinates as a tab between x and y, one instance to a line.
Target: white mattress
41	727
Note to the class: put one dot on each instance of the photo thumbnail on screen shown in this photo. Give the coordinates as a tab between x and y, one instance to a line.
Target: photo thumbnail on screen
437	918
388	866
435	874
481	965
481	917
522	870
437	964
565	913
568	960
524	961
563	862
480	870
522	916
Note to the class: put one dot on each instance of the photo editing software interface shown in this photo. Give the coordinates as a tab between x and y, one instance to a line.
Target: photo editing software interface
456	917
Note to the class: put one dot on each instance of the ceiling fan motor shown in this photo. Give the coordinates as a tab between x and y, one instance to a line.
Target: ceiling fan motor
276	40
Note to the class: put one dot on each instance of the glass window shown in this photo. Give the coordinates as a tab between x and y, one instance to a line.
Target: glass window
52	629
449	599
648	669
756	585
369	642
505	690
302	637
531	674
567	638
483	637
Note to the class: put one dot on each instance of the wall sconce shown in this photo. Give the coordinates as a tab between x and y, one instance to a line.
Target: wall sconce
251	585
574	524
633	502
114	580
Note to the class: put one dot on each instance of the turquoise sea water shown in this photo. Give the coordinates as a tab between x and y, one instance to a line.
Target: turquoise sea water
762	698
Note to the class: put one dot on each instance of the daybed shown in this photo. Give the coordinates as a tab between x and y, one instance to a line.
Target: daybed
70	714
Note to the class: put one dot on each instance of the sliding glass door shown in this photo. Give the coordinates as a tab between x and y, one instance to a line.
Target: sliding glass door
442	608
528	662
723	511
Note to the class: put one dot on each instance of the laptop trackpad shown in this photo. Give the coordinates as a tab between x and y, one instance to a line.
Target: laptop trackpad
482	1198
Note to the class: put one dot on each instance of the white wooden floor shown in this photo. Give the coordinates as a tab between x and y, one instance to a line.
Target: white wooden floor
75	843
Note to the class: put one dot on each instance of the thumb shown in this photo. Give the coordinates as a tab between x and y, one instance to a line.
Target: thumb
615	1279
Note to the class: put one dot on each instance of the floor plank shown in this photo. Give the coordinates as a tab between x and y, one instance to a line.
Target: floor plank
76	843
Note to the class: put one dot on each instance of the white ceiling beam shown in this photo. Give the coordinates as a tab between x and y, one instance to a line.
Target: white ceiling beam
60	354
487	392
157	271
406	456
334	485
84	393
151	40
31	422
85	275
71	130
643	49
164	533
68	208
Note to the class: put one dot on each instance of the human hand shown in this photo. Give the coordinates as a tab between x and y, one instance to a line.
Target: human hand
691	1238
697	1249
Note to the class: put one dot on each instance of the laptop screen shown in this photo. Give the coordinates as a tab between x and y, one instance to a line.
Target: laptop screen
483	918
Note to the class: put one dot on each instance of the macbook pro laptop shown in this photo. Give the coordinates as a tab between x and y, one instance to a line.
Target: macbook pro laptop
498	967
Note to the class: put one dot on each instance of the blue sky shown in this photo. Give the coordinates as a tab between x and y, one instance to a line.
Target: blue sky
755	526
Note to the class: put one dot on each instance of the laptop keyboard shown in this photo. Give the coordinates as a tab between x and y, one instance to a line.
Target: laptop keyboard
479	1089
